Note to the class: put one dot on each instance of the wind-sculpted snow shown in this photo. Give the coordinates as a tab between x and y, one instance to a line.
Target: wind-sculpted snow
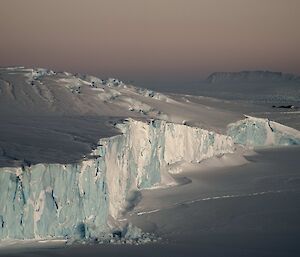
83	200
262	132
40	91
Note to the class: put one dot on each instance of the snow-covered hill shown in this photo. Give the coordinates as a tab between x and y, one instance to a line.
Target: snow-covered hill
41	91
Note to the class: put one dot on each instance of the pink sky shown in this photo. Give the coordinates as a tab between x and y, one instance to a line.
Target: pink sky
149	40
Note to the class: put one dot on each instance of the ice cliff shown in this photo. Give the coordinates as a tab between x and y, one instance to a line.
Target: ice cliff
82	200
262	132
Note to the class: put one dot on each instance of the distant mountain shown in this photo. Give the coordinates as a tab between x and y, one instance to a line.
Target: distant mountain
252	76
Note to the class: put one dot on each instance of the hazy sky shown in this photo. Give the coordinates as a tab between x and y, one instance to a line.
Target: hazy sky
151	40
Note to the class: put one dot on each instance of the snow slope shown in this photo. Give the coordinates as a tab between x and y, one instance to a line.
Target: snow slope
22	90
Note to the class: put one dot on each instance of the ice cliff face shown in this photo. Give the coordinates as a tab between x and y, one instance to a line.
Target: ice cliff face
262	132
53	200
79	200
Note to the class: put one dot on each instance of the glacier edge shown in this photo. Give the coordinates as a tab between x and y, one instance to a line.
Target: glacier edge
78	200
258	132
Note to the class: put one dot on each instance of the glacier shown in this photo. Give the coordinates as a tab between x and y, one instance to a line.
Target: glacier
83	200
255	132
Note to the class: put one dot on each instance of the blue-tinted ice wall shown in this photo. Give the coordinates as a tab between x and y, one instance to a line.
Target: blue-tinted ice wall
79	200
262	132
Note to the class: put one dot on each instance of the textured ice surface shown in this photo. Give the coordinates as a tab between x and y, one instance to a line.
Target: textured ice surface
262	132
53	201
80	200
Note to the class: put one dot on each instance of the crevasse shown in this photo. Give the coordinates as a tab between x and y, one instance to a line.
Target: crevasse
79	200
